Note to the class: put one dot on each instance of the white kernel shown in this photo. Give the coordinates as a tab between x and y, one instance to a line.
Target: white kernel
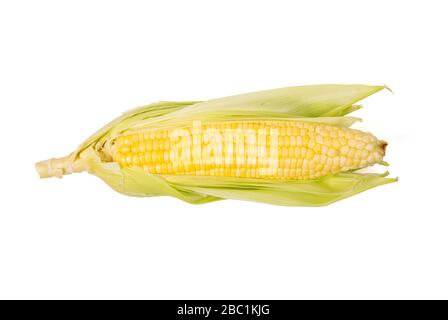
323	159
335	161
345	149
367	138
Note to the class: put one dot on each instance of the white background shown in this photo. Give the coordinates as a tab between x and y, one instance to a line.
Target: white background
68	67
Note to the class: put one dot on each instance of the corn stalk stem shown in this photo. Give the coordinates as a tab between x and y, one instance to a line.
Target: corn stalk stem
57	167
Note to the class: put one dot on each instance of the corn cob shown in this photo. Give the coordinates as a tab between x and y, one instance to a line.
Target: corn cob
289	146
250	149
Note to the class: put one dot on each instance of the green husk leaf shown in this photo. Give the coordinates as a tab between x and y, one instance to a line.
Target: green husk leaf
203	189
130	118
319	192
292	102
134	181
285	103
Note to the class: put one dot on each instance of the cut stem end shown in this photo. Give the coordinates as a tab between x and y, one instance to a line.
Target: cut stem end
57	167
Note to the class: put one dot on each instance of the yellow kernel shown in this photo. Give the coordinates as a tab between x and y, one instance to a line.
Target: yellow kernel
305	140
281	162
333	133
309	154
317	148
305	163
303	152
281	141
124	149
292	141
311	143
335	143
282	131
119	158
294	163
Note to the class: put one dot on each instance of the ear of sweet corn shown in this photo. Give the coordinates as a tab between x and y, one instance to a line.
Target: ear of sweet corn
134	153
